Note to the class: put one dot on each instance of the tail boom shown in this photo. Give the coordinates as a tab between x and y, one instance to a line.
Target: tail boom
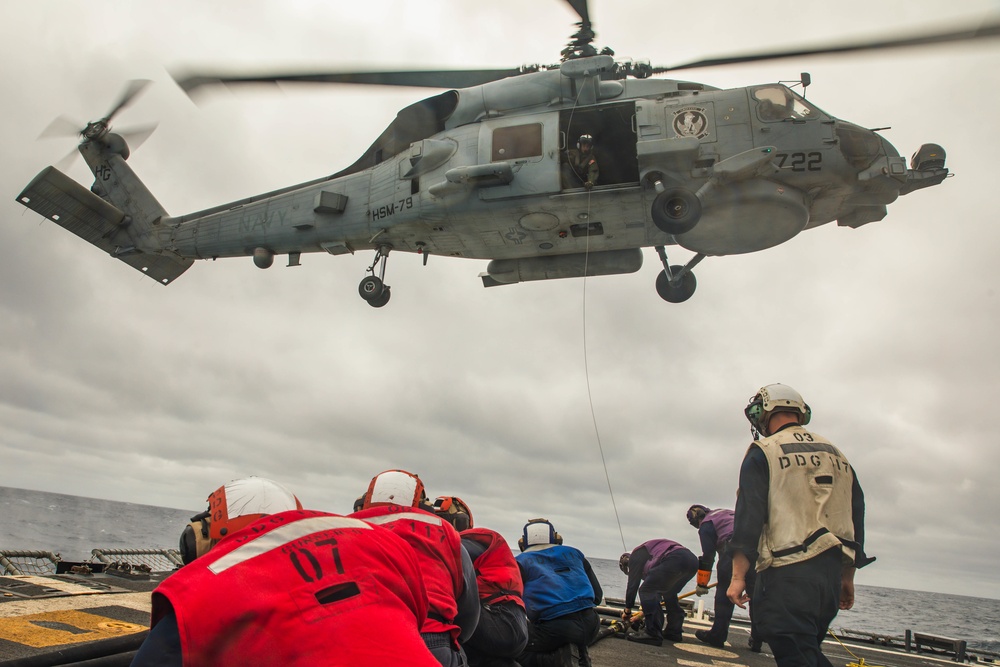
55	196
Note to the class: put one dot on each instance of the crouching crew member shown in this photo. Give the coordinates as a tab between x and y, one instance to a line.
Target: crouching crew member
560	592
502	632
662	567
396	500
276	585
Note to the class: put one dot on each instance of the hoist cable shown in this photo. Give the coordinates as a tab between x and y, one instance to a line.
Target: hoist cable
586	361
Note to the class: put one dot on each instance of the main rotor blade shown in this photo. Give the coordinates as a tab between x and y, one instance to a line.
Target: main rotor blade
419	79
987	31
580	7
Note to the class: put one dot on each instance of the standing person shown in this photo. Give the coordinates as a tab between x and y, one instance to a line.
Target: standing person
277	586
715	529
662	567
502	632
580	164
800	513
560	593
396	499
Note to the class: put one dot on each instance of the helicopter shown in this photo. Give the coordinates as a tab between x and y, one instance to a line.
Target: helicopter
480	172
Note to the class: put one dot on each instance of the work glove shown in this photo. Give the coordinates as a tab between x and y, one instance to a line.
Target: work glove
588	185
704	576
700	590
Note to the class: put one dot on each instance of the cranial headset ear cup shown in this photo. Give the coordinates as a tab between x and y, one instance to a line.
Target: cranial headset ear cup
188	545
195	540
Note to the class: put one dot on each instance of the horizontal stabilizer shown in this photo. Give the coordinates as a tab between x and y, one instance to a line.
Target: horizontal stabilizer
65	202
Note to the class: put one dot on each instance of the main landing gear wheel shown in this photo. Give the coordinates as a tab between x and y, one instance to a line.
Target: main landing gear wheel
380	300
676	211
371	287
676	291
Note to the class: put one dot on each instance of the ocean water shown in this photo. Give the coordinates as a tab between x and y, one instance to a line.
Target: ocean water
72	526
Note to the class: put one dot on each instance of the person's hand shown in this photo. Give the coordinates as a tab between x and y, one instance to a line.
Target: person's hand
846	592
626	614
737	593
701	590
588	185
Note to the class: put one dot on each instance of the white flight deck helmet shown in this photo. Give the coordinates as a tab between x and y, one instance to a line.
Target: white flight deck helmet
242	501
395	487
775	398
536	532
231	507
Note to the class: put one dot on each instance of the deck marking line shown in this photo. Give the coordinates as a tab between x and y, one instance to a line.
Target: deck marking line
708	651
63	627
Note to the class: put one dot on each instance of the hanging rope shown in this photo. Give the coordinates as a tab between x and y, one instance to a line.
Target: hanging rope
860	661
586	363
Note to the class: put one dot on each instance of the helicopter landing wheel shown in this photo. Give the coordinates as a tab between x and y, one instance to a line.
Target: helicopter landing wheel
678	290
372	288
676	211
381	299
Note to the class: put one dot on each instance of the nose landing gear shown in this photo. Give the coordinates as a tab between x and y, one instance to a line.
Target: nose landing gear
676	283
373	288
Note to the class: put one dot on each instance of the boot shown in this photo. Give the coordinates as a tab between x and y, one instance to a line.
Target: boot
706	637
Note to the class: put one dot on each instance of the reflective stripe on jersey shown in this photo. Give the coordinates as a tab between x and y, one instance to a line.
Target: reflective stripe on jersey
281	536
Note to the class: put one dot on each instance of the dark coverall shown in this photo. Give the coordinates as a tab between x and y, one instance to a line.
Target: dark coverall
664	580
502	632
710	545
580	168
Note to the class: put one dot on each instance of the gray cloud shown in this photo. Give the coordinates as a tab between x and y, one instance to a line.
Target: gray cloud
118	388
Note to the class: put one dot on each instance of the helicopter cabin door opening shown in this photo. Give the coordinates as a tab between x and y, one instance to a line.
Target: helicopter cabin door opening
613	130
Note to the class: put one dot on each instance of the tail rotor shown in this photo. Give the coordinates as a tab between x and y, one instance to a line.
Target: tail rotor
98	130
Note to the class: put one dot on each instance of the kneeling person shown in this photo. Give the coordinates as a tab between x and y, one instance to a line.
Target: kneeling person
560	592
270	584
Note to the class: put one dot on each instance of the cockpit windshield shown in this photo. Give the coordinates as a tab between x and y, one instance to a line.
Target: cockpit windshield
777	103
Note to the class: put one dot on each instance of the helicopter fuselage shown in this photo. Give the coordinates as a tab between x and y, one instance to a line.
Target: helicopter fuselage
481	173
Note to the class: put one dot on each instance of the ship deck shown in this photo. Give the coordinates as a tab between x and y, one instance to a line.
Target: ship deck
102	618
617	652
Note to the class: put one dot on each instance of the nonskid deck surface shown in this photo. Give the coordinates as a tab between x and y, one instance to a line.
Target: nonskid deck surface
69	618
617	652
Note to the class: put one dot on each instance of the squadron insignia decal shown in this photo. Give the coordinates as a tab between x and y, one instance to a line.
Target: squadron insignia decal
691	122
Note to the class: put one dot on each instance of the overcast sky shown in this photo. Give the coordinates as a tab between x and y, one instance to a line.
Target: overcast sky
116	387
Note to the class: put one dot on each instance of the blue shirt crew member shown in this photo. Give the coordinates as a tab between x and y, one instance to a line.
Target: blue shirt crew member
560	593
800	514
662	567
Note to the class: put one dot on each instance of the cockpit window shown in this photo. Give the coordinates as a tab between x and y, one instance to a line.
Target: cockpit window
775	103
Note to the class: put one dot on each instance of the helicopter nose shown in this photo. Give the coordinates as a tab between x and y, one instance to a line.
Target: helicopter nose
862	147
